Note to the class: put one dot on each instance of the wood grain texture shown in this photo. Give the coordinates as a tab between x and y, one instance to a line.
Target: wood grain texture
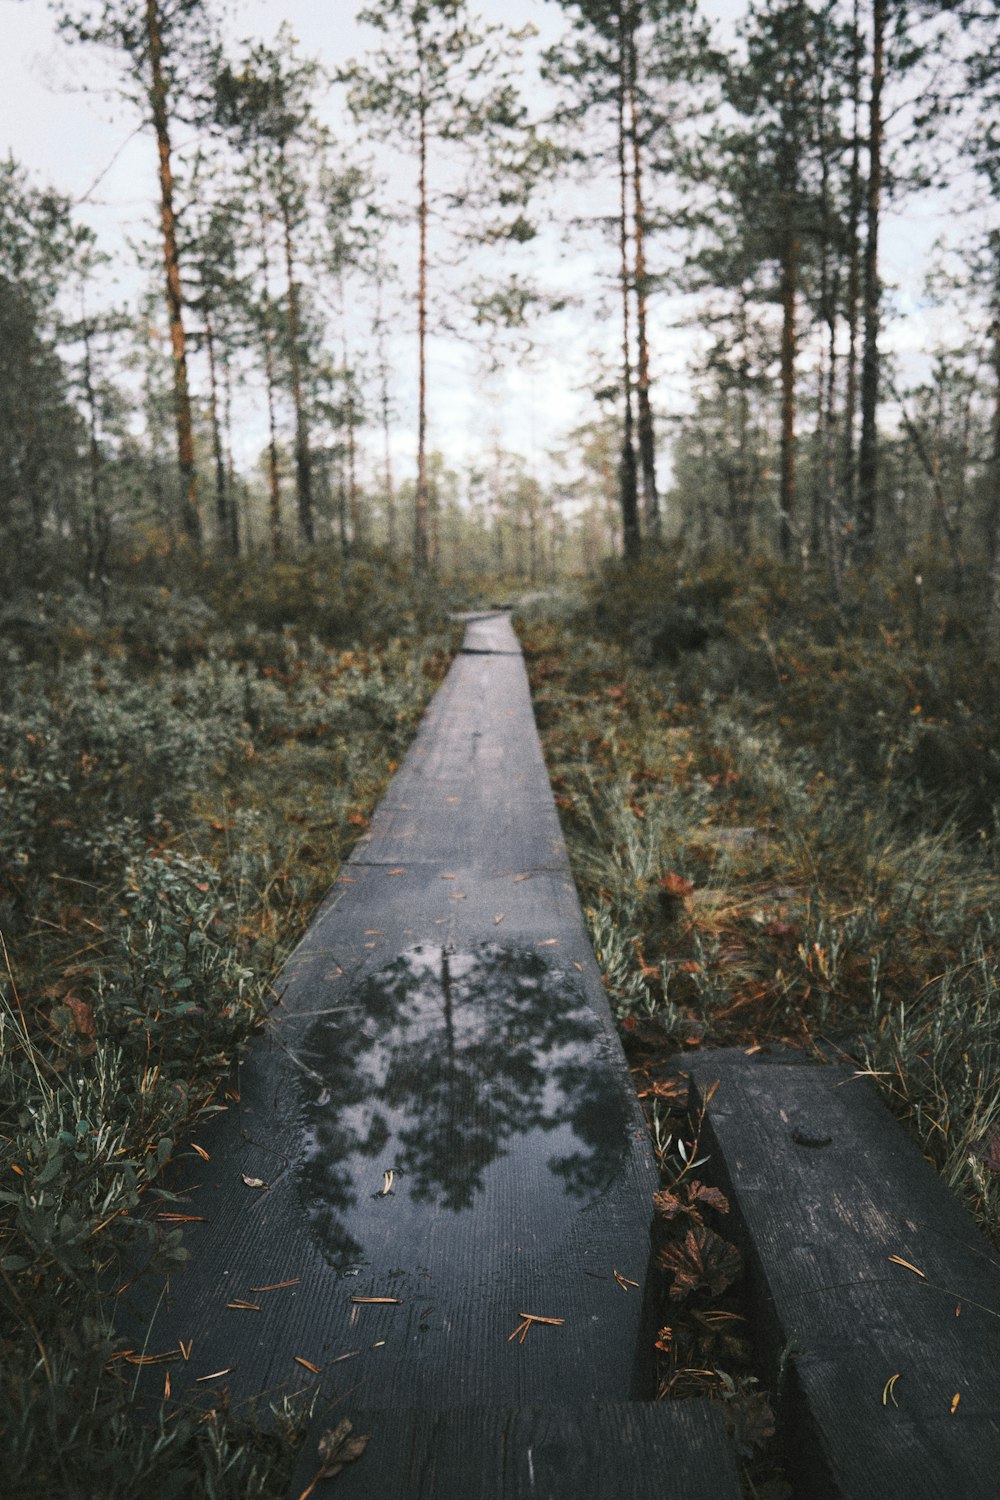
827	1187
596	1451
444	1020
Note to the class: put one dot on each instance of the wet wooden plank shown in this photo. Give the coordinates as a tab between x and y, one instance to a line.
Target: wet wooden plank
888	1380
599	1451
444	1021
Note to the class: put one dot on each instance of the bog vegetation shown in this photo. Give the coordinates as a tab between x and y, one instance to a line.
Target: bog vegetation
763	621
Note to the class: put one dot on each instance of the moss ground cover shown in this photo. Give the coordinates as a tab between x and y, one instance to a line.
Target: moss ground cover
180	776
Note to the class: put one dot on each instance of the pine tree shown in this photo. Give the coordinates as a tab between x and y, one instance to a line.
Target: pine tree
442	86
164	45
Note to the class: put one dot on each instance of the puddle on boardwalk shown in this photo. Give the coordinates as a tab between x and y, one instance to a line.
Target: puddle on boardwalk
481	1081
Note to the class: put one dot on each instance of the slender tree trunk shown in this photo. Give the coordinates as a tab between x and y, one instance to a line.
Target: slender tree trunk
303	459
273	474
848	471
829	300
420	547
354	497
789	291
383	363
868	456
345	545
190	517
646	429
993	597
234	510
97	543
221	495
628	478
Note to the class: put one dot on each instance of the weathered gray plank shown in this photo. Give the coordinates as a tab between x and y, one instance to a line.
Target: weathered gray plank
444	1019
827	1187
607	1451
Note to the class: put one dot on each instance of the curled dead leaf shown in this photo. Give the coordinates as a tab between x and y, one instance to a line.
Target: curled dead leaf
702	1260
253	1182
337	1447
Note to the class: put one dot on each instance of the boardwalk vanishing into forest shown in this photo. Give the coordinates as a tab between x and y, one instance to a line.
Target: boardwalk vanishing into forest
428	1195
438	1139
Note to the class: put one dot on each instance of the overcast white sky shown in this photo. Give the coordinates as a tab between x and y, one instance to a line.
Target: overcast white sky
68	135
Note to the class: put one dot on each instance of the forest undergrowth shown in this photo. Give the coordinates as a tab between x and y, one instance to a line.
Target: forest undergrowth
784	823
181	772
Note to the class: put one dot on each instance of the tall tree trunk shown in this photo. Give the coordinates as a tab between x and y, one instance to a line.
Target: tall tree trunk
627	476
383	363
646	430
420	548
221	495
303	458
829	302
354	496
273	474
868	455
98	533
190	517
789	292
234	510
993	597
847	469
345	545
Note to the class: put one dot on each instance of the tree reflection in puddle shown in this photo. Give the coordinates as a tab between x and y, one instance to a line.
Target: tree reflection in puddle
480	1079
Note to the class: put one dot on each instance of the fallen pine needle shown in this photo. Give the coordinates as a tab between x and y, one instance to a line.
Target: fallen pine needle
624	1281
353	1355
186	1353
898	1260
201	1152
277	1286
386	1300
388	1177
888	1392
306	1364
245	1306
215	1374
182	1218
526	1321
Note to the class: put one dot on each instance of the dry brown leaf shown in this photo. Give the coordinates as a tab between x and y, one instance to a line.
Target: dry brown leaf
703	1260
337	1448
253	1182
669	1205
708	1197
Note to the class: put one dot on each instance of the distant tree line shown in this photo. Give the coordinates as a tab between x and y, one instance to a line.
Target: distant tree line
751	184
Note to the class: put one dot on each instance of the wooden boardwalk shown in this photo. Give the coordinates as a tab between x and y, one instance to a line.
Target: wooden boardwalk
875	1300
438	1136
